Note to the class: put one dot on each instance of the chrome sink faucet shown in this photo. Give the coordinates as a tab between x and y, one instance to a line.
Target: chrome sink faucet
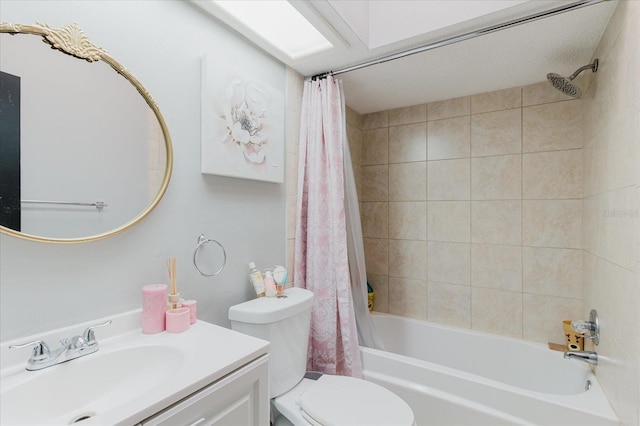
42	356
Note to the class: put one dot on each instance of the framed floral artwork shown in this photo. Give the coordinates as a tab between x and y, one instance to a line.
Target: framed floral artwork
242	124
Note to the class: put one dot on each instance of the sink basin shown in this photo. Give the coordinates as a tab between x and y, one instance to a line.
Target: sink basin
132	376
78	389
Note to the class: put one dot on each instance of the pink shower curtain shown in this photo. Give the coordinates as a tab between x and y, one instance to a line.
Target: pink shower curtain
321	261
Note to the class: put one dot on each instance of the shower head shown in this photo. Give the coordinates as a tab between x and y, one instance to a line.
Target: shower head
566	84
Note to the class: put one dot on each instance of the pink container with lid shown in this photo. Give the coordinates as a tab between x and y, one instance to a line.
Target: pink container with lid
192	305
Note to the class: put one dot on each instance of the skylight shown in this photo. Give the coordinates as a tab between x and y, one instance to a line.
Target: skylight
383	22
279	24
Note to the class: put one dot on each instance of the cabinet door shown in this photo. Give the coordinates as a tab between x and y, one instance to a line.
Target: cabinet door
239	399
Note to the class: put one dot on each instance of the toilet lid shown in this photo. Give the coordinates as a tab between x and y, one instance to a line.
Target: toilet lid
340	400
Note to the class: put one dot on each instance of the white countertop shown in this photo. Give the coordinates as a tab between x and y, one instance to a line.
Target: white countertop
205	353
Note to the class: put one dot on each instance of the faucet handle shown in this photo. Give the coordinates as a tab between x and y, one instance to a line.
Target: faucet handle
40	349
89	336
582	326
592	327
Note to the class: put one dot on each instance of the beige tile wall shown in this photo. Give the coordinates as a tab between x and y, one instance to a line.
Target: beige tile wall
610	233
471	210
294	89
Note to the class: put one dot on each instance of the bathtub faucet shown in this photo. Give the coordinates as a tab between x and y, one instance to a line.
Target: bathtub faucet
585	356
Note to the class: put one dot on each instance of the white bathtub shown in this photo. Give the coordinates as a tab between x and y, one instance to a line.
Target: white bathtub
451	376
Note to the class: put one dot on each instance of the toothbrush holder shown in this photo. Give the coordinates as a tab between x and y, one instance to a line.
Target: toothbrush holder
178	320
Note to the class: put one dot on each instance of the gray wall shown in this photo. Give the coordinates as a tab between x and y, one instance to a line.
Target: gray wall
45	286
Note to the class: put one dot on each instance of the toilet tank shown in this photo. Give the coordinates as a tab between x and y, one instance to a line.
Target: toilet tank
284	322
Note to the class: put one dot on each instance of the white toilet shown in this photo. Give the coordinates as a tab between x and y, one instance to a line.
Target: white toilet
299	399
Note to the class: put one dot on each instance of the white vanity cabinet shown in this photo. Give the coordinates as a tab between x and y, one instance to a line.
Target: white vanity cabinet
240	398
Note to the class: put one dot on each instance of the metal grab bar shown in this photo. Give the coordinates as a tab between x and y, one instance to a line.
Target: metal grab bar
99	205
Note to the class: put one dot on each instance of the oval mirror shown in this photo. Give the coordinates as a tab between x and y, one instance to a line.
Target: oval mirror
84	153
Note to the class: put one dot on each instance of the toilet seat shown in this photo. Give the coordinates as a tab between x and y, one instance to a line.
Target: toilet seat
340	400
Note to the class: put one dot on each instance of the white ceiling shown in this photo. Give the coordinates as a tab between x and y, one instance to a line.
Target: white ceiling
507	58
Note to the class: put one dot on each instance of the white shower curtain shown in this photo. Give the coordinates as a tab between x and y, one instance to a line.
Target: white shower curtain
322	262
367	333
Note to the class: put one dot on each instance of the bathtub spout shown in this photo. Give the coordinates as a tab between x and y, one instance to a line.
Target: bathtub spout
585	356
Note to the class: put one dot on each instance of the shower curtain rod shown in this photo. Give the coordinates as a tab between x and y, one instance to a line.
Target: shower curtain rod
466	36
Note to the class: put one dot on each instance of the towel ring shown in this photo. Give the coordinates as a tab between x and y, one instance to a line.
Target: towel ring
201	242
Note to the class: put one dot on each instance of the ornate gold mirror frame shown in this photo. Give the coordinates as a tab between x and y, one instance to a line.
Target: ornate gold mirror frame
71	40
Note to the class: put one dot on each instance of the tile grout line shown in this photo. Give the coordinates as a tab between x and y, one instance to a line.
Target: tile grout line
522	207
470	217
